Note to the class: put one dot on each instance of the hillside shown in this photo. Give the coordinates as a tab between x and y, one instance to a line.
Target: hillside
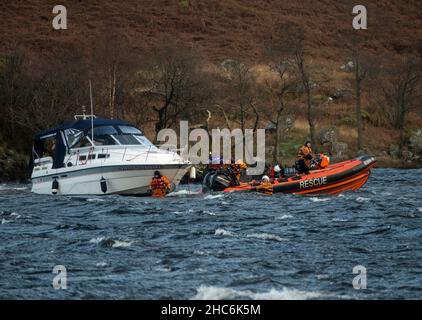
218	29
232	29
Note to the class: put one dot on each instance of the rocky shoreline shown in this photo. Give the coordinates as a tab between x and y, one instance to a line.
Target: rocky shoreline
13	166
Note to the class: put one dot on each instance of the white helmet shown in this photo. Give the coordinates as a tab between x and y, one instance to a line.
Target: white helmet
265	178
277	168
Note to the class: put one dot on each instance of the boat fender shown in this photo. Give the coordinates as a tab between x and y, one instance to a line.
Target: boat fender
192	173
55	187
103	184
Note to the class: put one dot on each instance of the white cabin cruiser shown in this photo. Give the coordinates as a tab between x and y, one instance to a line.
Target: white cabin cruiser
94	156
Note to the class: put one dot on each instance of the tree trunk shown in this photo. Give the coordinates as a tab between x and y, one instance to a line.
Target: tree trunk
277	147
310	116
242	118
306	85
160	123
112	90
276	154
358	104
402	118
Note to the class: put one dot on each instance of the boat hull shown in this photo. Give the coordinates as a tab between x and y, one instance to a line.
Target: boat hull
119	179
336	178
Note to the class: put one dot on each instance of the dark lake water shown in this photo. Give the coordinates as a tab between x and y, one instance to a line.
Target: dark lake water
215	246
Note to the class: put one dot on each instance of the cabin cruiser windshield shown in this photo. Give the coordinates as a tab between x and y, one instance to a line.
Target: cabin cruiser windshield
107	136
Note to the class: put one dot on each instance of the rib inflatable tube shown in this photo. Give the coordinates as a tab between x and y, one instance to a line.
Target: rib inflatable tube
334	179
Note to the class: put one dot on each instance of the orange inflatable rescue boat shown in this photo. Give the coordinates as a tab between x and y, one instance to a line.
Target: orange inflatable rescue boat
333	179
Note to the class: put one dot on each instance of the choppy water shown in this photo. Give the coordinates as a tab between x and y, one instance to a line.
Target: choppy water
219	246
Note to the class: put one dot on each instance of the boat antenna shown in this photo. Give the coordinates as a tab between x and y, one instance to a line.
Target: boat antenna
92	112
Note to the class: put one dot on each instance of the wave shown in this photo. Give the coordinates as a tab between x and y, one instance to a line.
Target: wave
4	221
224	233
8	187
118	244
101	264
265	236
14	214
183	192
213	196
221	293
96	240
362	199
163	269
314	199
95	200
108	242
285	216
200	253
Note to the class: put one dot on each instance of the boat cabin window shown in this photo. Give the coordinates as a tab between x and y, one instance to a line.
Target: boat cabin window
119	135
144	141
103	136
49	147
104	130
83	142
130	130
73	136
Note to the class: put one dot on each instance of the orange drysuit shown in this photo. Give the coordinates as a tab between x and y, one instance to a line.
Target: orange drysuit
159	186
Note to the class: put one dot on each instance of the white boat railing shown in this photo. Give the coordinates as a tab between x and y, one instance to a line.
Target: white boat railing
125	153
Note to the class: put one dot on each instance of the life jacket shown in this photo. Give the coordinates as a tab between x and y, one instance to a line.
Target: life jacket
325	161
305	153
266	188
159	186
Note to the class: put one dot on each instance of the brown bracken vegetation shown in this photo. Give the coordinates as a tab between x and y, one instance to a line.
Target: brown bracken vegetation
295	67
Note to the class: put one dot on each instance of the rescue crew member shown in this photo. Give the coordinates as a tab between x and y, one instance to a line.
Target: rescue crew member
159	185
275	171
266	186
304	158
238	166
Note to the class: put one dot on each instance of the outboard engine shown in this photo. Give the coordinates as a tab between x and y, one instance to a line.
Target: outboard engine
220	179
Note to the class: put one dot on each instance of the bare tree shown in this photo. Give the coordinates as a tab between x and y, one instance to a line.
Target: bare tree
242	81
113	67
360	74
401	91
175	83
281	88
363	66
53	96
288	40
12	78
